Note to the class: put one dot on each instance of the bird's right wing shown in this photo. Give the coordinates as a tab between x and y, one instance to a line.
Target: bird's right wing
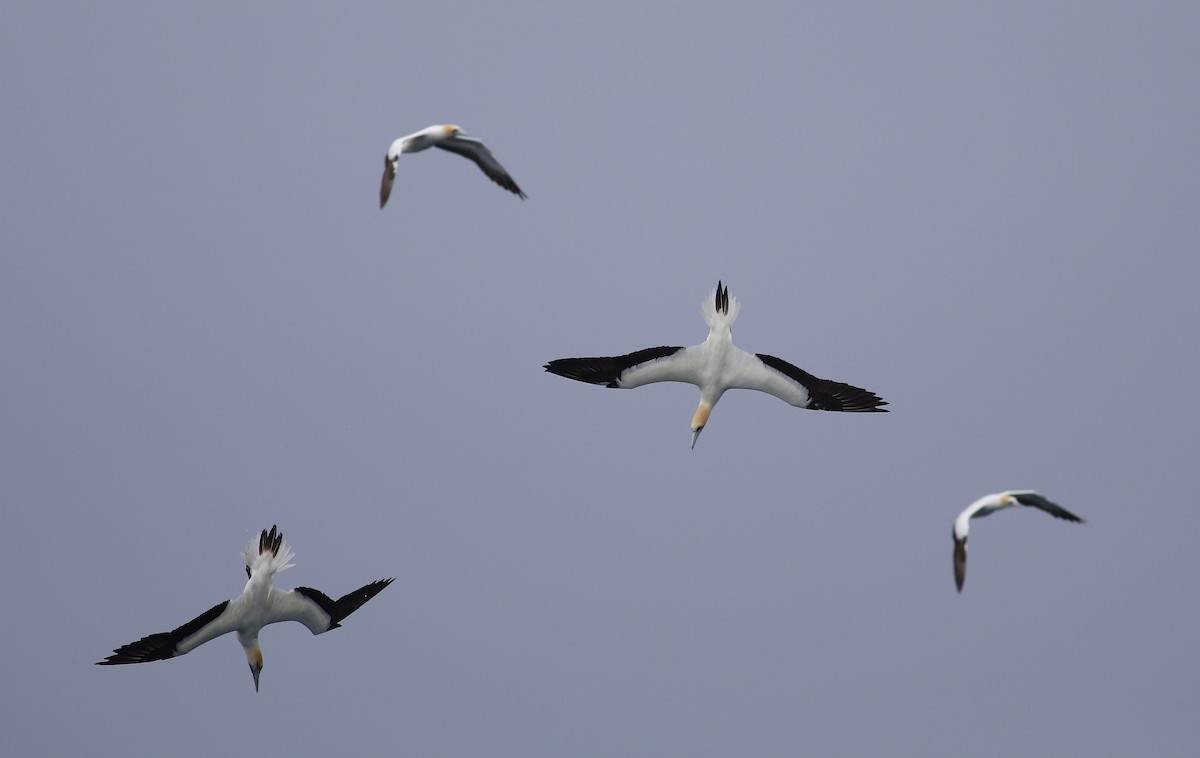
654	364
158	647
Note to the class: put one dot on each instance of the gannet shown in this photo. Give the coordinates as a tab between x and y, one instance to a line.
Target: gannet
715	366
447	137
989	504
261	603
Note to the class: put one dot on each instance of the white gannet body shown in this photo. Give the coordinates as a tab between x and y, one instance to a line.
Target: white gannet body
261	603
989	504
715	366
451	138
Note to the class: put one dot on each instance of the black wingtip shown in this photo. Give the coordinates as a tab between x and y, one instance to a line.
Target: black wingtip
591	370
505	181
839	396
351	602
152	647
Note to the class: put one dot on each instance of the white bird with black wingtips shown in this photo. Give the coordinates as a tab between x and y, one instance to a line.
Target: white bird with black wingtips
716	365
452	138
261	603
989	504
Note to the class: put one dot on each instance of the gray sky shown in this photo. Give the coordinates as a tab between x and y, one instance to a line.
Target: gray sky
987	215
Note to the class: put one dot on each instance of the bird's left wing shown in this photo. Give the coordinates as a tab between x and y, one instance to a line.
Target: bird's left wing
797	387
1028	497
158	647
318	611
653	364
475	150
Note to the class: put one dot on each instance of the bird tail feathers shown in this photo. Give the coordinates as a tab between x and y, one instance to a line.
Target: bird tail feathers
269	553
719	308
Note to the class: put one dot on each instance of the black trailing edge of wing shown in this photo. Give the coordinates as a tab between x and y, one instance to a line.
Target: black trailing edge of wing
606	371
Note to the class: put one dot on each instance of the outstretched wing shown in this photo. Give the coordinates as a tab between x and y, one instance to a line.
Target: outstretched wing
1031	498
654	364
797	387
475	150
158	647
318	611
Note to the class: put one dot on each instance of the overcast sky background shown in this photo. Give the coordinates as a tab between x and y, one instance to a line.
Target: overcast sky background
987	214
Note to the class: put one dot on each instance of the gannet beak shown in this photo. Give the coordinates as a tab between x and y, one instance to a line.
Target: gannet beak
255	670
699	420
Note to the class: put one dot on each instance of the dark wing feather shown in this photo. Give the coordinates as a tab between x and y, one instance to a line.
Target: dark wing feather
159	647
1041	503
606	371
827	395
960	563
389	175
478	153
339	609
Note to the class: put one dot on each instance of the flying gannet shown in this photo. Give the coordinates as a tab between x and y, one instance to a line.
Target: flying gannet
448	137
715	366
261	603
990	504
